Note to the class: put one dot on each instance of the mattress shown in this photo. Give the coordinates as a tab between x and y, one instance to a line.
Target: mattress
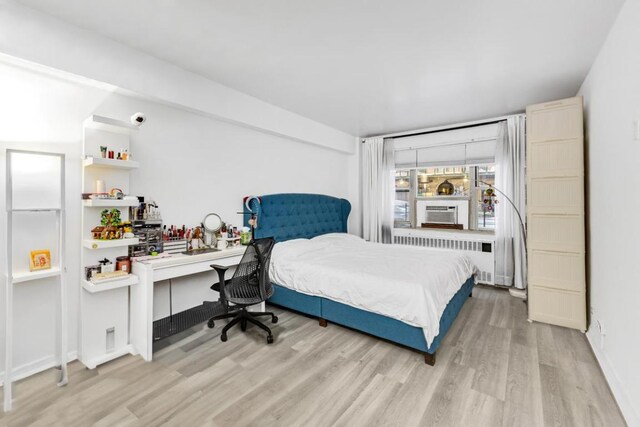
409	284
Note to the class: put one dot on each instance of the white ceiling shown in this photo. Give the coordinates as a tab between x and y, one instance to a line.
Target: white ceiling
367	66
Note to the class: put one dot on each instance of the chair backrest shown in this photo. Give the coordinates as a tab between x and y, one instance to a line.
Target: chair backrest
253	270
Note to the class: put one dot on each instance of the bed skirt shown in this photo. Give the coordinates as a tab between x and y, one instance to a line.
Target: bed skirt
372	323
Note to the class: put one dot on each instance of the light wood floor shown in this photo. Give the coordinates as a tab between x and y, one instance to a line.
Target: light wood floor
493	369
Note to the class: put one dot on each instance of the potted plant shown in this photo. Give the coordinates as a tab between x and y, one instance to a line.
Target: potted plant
111	223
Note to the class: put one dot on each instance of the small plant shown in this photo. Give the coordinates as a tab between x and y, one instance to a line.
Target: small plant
110	218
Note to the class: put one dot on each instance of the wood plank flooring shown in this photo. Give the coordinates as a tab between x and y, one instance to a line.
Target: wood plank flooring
493	369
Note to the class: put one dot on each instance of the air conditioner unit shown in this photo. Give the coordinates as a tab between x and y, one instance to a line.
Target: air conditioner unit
442	214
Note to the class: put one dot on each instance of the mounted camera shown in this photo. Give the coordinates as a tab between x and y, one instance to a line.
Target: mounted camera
138	119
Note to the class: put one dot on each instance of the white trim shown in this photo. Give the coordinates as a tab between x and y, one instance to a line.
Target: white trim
37	366
629	411
93	363
518	293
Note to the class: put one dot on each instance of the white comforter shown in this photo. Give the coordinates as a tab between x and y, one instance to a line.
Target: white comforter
410	284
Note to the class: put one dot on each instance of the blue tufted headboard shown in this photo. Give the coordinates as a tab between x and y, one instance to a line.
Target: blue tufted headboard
293	216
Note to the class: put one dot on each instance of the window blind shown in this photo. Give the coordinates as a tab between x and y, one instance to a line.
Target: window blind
471	146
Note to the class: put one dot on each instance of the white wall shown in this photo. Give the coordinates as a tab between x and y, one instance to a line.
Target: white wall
43	39
191	165
612	102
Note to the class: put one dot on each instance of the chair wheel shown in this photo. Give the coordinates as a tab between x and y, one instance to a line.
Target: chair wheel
211	323
270	339
274	319
223	337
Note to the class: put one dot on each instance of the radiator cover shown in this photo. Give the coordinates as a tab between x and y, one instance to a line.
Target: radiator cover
481	252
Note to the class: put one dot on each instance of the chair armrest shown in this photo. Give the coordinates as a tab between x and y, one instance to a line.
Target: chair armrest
221	270
217	267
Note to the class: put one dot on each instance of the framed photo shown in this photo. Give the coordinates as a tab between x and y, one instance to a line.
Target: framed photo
40	260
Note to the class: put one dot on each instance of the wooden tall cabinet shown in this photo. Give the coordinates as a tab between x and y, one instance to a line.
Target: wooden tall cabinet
556	213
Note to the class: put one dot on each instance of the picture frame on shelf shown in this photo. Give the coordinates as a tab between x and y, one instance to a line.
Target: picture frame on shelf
40	260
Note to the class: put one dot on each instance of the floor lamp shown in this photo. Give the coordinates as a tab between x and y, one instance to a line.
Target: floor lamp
492	199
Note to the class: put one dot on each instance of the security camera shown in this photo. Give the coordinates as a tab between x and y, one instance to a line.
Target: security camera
138	119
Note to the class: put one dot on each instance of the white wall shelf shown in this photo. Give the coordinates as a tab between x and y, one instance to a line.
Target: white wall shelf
99	162
24	191
109	125
28	276
103	244
104	306
35	210
130	280
109	203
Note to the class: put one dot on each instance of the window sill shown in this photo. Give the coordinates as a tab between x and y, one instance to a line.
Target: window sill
443	231
443	198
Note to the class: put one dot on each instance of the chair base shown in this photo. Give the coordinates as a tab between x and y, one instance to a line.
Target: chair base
243	316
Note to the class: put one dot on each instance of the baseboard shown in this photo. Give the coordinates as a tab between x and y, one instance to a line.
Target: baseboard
618	390
37	366
518	293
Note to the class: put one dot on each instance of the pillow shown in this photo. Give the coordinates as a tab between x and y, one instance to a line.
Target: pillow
290	248
338	237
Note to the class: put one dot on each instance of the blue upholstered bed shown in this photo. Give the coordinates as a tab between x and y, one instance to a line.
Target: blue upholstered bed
292	216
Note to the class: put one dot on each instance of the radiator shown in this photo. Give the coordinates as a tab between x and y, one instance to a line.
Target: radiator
480	252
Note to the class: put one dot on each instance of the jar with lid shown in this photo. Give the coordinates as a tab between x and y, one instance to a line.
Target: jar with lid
123	263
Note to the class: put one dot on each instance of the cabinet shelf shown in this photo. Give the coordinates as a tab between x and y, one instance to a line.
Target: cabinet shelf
99	162
108	203
35	275
91	287
103	244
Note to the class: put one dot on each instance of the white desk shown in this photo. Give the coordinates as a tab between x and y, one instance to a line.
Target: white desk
163	269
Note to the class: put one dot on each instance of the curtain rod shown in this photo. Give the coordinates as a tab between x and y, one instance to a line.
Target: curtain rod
436	129
427	132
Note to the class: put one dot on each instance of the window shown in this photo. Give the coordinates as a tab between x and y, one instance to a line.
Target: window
401	210
458	185
486	214
452	160
430	180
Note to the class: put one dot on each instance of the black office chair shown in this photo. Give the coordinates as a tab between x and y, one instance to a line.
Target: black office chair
249	285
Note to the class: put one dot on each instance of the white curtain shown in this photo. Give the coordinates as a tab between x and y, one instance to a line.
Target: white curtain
377	189
511	263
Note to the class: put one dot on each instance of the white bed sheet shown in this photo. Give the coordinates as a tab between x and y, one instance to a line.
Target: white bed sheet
410	284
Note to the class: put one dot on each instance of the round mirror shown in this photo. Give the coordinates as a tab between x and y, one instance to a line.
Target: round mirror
212	223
